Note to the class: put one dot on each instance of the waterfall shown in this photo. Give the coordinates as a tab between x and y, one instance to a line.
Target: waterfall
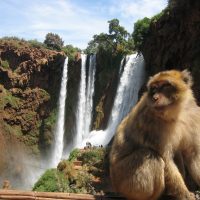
89	95
86	93
60	124
82	101
127	93
130	82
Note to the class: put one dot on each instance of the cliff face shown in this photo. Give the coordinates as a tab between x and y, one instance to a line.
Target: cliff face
174	40
106	82
29	89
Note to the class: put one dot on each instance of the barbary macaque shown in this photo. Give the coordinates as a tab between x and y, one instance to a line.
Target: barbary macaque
164	123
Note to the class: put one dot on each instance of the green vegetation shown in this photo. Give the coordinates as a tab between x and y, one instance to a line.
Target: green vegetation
92	157
74	155
54	41
51	181
68	179
118	41
5	64
141	29
71	51
35	43
29	116
7	98
51	120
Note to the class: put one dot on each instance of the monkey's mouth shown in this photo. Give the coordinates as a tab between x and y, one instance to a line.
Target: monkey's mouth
160	105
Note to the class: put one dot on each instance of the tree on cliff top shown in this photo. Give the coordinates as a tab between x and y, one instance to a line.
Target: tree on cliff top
53	41
117	41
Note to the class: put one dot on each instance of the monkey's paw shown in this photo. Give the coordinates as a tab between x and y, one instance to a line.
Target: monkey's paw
197	195
188	196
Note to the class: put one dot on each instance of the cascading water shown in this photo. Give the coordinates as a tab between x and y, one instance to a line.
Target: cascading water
85	104
130	82
60	124
89	95
82	101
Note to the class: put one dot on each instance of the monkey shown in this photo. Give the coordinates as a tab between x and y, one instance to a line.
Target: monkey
164	123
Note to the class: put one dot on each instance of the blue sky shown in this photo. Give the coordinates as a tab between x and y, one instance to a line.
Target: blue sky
76	21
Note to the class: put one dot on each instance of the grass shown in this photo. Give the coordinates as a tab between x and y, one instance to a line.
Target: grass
7	98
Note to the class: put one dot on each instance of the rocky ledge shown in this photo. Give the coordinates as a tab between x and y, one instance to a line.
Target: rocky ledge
29	88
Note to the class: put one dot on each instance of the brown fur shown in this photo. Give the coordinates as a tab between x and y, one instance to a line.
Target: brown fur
147	140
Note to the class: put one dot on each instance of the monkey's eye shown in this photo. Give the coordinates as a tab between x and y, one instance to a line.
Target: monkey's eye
153	90
165	86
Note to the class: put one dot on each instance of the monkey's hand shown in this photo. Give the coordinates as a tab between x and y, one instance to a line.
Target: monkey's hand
188	196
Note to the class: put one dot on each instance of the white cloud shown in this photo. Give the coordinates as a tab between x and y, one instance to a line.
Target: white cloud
66	18
138	8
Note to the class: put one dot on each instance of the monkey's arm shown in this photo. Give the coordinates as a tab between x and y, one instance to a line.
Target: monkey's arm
174	182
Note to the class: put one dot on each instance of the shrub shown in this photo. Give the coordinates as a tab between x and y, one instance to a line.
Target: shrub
74	155
71	51
67	168
36	44
84	182
53	41
47	182
141	29
92	156
5	64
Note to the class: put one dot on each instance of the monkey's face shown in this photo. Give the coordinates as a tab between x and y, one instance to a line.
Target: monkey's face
162	94
168	87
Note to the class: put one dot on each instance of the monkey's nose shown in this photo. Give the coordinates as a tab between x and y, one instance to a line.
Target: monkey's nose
155	97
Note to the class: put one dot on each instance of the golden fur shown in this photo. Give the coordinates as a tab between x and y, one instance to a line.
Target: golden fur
142	155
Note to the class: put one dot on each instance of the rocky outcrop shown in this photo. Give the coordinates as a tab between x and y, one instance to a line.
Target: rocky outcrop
173	41
29	88
106	82
74	74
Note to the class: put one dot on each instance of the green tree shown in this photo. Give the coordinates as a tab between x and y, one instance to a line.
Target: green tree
53	41
141	30
117	41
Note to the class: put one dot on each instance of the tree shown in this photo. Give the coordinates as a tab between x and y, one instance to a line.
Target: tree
117	41
141	30
53	41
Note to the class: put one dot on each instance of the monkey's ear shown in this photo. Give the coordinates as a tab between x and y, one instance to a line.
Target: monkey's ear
187	77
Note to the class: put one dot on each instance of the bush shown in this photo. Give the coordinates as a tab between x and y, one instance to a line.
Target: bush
92	156
71	51
141	29
36	44
47	182
67	168
5	64
84	183
74	155
53	41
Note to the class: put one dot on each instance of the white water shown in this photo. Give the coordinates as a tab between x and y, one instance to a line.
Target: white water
60	124
89	95
82	101
85	104
130	83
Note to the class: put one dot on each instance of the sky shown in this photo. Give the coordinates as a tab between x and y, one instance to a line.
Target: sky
75	21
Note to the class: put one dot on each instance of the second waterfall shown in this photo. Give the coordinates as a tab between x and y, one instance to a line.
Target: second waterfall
85	104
